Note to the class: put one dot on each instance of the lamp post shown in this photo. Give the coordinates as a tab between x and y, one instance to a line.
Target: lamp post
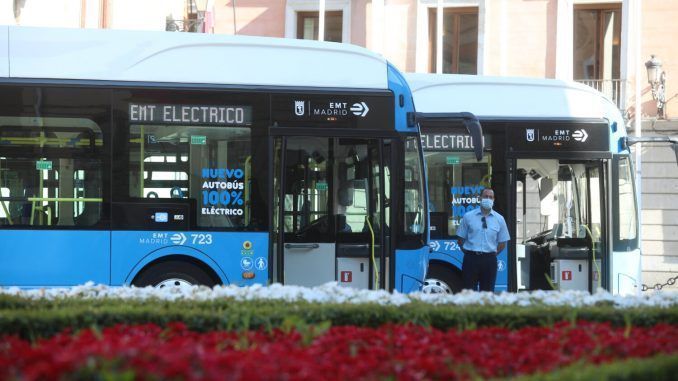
656	77
235	29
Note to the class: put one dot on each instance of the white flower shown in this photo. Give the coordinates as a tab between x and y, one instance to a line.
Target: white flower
332	292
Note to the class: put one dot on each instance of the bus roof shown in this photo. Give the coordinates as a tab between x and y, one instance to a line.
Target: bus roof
509	97
171	57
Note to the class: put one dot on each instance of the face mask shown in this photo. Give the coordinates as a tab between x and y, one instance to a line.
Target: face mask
486	203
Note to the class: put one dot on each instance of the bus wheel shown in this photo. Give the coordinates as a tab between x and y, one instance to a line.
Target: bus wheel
440	280
173	274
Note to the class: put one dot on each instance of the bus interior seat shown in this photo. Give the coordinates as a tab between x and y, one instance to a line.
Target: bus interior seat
89	216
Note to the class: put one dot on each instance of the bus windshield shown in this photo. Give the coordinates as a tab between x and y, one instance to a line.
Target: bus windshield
558	198
456	180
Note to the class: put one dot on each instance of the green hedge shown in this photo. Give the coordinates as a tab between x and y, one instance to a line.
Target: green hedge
658	368
40	318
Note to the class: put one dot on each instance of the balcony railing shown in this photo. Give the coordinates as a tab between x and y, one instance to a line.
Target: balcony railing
186	25
614	89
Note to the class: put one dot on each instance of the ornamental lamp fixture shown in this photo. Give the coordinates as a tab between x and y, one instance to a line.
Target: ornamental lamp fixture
656	77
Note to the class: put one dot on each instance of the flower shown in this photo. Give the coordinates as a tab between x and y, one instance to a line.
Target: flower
404	352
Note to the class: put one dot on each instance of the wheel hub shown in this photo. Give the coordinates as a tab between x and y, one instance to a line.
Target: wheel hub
173	282
435	286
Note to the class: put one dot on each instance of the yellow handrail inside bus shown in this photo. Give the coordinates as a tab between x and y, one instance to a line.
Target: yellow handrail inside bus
64	199
374	262
40	190
41	208
48	210
593	248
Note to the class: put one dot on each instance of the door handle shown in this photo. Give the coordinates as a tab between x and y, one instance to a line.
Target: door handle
301	246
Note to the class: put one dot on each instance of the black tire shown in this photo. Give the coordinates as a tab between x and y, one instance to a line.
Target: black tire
173	273
440	279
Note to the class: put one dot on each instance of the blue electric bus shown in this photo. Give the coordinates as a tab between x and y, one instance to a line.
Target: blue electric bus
557	156
152	158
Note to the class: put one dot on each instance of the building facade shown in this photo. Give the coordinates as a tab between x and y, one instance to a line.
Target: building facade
602	43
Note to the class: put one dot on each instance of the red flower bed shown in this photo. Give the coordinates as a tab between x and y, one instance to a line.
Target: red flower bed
404	352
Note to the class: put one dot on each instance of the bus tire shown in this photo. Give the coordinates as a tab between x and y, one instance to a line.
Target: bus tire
442	280
174	273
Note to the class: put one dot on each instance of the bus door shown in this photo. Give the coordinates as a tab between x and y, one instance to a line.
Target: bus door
561	226
329	195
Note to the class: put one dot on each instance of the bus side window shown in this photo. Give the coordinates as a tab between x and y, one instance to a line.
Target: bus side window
207	168
625	226
39	171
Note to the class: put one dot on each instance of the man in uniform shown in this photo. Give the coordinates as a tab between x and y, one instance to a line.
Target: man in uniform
482	236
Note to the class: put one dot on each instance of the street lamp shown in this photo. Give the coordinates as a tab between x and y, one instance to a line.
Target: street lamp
656	77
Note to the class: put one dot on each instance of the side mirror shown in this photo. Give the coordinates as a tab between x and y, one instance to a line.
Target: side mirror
476	131
673	140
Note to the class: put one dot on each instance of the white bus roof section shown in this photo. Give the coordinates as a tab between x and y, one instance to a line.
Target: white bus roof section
140	56
508	97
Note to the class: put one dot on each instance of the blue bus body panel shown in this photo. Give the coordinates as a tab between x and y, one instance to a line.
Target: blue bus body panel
31	258
398	85
410	265
410	268
448	251
231	255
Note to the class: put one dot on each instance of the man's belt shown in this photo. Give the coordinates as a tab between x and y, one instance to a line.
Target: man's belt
478	252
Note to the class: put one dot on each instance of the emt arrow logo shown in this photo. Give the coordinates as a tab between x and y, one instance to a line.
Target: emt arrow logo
360	109
580	135
435	245
178	238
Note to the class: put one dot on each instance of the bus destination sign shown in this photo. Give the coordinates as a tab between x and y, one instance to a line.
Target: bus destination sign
442	142
560	137
226	115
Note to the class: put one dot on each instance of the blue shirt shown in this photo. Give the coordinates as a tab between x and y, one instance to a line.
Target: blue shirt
478	239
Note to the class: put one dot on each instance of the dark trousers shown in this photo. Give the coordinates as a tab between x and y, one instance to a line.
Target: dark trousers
479	269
